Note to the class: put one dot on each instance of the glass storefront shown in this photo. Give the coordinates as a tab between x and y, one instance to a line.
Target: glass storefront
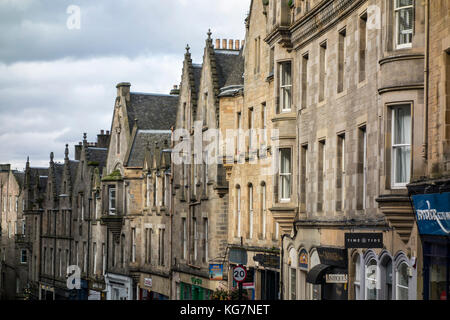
436	269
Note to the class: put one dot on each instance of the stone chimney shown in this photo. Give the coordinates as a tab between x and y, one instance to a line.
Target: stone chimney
217	44
224	44
103	139
78	151
175	91
123	89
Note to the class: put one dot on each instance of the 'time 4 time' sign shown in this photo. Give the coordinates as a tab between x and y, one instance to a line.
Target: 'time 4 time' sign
364	240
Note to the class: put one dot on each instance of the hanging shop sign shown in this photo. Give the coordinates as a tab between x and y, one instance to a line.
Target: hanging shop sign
433	213
303	260
216	272
267	260
336	278
364	241
333	256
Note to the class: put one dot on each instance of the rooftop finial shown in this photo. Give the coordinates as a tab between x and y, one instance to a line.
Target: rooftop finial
187	48
66	152
209	34
52	156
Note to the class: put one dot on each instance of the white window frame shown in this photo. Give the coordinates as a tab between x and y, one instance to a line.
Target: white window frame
250	211
394	184
22	255
397	11
206	227
284	174
264	211
397	279
94	253
194	222
112	200
184	238
238	205
285	87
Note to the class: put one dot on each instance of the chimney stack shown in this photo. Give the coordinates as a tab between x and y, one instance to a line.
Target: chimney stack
230	44
236	46
123	89
224	44
103	139
175	91
78	151
217	44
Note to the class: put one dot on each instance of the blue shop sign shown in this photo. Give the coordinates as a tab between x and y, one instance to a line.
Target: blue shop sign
433	213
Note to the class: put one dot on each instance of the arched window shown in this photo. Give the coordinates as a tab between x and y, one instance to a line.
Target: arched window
357	273
385	277
315	289
402	282
371	280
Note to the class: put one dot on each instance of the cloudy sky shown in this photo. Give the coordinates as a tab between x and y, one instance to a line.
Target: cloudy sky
58	81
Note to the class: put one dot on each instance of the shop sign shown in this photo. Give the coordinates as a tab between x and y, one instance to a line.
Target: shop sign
216	272
333	256
336	278
433	213
267	261
196	281
148	282
364	240
303	260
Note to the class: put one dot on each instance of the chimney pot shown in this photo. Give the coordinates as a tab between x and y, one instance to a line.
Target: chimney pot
236	45
217	43
230	44
107	132
224	44
102	131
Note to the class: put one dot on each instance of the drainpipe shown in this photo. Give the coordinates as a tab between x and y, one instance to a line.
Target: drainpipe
282	267
427	76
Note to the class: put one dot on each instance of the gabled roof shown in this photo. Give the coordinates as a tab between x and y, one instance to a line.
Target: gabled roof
152	111
143	140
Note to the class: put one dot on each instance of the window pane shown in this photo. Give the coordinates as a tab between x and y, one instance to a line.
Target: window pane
285	161
402	3
371	281
402	125
402	157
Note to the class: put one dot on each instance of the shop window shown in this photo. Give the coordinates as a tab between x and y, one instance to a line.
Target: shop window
371	280
357	282
402	282
404	23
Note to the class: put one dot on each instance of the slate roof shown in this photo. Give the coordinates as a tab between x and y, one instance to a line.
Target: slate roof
40	175
143	139
98	155
153	111
230	67
197	69
20	178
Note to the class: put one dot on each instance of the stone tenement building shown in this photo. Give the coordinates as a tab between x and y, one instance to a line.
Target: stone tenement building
358	90
13	252
201	192
332	138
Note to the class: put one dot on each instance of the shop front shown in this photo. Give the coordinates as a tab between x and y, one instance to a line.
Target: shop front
433	221
191	287
154	287
97	291
118	287
330	277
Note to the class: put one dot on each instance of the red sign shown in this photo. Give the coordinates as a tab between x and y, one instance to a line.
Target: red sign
239	274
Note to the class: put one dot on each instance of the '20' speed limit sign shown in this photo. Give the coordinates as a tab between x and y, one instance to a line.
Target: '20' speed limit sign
239	274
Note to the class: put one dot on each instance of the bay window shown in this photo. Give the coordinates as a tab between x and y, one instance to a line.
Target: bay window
403	23
285	174
285	87
112	200
401	145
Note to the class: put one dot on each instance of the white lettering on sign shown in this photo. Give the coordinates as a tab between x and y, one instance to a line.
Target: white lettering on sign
337	278
432	215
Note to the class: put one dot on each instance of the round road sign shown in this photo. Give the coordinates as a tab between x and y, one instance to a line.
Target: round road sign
239	274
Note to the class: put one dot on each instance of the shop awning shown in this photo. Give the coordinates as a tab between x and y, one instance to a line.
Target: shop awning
315	275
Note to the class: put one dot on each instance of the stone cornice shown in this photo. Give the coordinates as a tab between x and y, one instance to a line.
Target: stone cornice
417	86
401	58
